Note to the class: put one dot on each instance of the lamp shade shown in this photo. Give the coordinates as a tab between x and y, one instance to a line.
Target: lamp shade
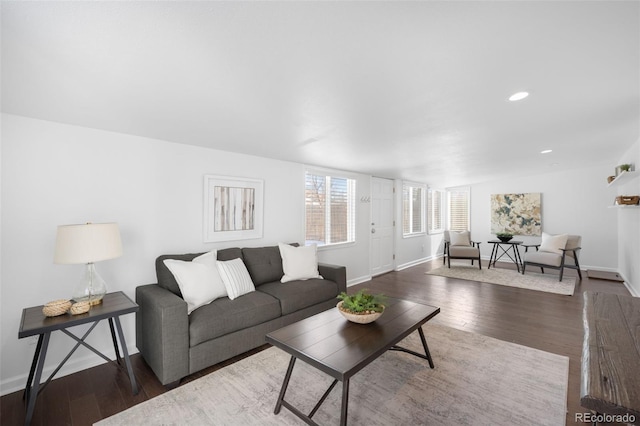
88	243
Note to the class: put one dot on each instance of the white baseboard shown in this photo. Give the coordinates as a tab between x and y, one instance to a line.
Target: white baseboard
415	262
627	284
73	365
358	280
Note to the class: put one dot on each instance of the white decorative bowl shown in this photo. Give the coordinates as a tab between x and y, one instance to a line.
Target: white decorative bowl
359	318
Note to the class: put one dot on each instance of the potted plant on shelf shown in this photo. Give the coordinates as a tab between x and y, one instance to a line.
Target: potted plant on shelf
362	307
623	168
504	236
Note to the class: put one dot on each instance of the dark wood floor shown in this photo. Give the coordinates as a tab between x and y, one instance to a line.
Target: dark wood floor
539	320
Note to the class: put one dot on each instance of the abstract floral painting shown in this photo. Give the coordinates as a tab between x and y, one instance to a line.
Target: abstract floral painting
519	214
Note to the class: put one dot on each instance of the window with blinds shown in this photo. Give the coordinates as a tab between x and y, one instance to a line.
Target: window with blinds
435	211
329	209
459	212
413	201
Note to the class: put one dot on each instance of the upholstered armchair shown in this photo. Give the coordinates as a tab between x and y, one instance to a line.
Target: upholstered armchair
555	252
458	245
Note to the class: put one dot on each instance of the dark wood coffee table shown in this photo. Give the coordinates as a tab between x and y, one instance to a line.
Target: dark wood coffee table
340	348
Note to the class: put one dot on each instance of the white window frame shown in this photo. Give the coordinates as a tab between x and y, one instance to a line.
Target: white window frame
351	207
466	190
423	219
431	215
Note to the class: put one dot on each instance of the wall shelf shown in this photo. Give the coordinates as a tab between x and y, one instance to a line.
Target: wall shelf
624	206
623	178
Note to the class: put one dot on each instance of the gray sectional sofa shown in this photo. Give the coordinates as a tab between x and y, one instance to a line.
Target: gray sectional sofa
175	344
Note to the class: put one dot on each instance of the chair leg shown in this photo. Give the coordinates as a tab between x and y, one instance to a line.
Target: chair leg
575	257
523	266
479	263
564	253
449	262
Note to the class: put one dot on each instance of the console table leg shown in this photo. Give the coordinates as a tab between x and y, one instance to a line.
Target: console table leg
516	257
494	252
345	403
125	355
34	363
115	341
33	387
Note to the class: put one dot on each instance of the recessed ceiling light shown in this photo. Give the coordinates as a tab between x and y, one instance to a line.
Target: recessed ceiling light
546	151
518	96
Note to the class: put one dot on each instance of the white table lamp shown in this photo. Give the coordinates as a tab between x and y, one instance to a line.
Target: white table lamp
88	243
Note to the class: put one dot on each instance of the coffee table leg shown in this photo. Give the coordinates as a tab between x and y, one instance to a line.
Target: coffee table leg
345	402
284	385
426	348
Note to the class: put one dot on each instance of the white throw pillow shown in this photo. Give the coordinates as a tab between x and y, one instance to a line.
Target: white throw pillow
553	243
236	277
299	263
199	280
460	238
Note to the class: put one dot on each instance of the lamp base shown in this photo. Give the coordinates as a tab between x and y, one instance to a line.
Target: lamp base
92	287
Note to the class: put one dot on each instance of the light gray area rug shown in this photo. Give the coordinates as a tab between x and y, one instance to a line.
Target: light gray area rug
508	277
477	380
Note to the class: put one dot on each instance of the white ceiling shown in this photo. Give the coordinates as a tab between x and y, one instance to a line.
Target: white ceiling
412	90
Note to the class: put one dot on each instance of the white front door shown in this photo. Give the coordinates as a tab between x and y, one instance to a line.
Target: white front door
382	224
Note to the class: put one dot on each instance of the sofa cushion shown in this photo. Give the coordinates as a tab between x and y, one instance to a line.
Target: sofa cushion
296	295
230	253
544	258
553	243
199	280
462	251
264	264
224	316
299	263
235	277
462	238
166	279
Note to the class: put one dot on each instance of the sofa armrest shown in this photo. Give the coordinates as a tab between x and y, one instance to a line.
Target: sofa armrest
335	273
162	332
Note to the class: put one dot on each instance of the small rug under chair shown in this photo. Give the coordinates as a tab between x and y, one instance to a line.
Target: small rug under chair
477	380
530	280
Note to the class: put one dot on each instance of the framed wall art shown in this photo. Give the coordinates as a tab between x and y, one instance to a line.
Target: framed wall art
233	208
518	214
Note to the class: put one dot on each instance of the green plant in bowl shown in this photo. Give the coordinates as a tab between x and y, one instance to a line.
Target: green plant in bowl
504	236
361	302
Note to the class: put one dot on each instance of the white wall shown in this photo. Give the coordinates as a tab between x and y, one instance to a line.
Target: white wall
629	226
573	201
55	174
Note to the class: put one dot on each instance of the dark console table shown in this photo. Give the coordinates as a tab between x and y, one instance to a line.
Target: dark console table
35	323
511	246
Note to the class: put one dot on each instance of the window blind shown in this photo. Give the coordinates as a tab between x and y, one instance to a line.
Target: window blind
435	211
413	215
329	209
459	210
